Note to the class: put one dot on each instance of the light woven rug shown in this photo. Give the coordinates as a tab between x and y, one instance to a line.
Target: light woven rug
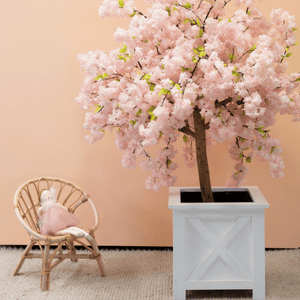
132	275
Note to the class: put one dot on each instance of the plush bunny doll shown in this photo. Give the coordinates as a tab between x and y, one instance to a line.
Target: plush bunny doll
55	218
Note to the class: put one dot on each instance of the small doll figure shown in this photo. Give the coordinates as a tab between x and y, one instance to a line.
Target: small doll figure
54	219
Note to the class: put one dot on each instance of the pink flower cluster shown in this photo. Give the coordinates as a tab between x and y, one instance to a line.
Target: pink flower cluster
185	54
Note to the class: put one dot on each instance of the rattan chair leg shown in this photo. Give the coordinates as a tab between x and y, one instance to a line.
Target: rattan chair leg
72	250
27	250
101	265
98	257
45	278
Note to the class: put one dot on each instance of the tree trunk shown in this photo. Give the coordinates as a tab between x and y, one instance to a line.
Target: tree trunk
202	163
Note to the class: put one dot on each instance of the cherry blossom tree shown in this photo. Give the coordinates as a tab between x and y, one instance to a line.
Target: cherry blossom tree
186	71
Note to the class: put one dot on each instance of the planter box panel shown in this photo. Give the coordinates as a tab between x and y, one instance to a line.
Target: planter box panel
218	248
218	245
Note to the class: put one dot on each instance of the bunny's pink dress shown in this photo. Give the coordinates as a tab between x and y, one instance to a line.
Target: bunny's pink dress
56	218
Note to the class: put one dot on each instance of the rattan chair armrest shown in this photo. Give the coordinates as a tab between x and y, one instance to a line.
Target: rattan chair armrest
74	206
96	225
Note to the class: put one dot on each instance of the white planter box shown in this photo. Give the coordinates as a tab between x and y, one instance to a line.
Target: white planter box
218	246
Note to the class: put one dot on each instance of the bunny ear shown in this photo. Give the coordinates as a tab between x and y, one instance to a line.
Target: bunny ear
52	190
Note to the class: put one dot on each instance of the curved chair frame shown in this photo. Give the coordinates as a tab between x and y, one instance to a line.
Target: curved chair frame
26	204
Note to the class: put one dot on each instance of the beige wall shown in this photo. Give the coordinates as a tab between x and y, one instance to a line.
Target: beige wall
41	130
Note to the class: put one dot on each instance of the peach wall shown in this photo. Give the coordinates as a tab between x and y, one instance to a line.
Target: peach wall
42	133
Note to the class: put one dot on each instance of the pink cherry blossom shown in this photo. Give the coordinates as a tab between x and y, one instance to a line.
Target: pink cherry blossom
178	58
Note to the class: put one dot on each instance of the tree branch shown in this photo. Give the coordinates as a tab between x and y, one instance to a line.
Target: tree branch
223	102
187	130
140	65
192	74
207	15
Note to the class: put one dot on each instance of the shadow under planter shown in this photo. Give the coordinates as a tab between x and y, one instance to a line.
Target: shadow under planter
220	245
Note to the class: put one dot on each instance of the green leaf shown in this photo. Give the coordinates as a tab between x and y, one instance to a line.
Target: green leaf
117	79
133	122
160	134
152	87
272	149
185	69
185	138
153	118
294	28
122	58
102	130
164	91
187	20
248	12
124	49
288	54
248	159
196	51
187	5
241	155
253	48
229	20
168	10
260	130
168	162
291	100
259	148
132	15
298	79
201	54
151	109
146	77
198	22
99	107
201	32
219	113
195	60
104	75
231	57
200	48
242	140
138	113
163	66
121	3
177	86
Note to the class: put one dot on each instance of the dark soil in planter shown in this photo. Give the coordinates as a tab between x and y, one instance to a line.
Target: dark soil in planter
194	196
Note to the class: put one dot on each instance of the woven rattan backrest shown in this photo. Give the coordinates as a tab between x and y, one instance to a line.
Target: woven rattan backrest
27	197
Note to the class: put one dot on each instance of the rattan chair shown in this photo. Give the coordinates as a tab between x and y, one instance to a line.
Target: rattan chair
26	204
